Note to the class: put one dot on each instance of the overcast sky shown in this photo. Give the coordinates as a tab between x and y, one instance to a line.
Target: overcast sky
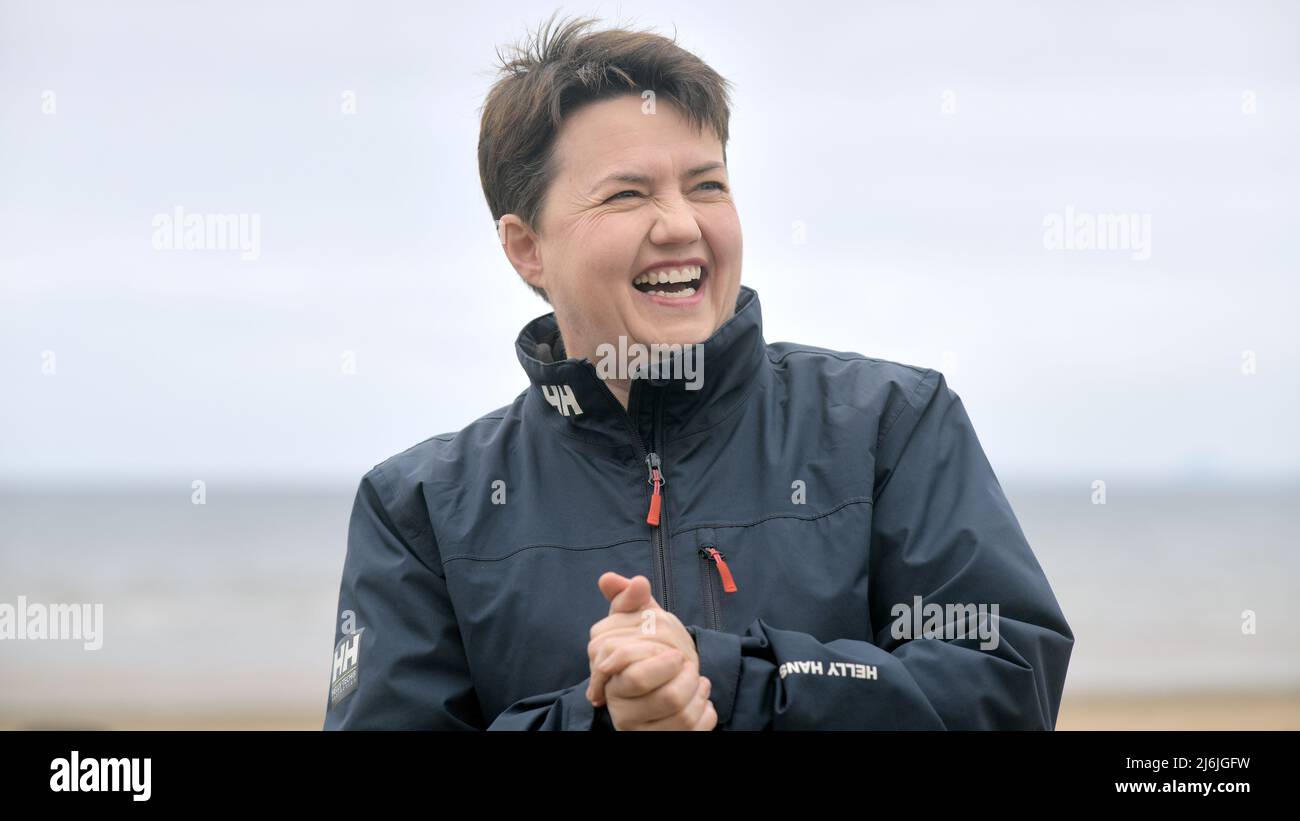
894	168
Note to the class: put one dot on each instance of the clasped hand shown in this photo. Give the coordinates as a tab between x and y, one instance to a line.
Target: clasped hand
644	664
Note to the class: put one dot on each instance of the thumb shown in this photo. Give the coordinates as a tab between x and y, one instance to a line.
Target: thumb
634	597
611	584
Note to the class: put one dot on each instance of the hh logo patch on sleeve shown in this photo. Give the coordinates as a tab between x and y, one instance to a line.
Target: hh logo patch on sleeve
346	671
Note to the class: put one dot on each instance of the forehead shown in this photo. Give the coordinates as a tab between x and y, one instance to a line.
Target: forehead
616	134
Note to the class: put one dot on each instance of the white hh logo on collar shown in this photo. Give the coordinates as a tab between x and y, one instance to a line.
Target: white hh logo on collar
561	398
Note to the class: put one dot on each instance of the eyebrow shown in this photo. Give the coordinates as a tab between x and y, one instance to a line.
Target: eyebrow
641	179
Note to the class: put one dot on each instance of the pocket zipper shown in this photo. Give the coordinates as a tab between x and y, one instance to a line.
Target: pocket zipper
728	583
710	555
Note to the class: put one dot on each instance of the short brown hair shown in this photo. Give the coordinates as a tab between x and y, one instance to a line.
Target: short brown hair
560	70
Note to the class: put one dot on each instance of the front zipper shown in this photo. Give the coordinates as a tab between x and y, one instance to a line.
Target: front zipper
657	515
657	480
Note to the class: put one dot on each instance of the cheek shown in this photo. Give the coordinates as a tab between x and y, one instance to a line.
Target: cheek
588	266
604	260
721	229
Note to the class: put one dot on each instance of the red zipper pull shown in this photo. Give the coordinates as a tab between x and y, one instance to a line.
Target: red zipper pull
728	583
656	479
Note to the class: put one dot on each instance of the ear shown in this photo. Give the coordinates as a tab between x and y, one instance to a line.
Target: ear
523	249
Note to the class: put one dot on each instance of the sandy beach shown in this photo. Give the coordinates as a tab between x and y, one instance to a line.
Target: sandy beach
1204	711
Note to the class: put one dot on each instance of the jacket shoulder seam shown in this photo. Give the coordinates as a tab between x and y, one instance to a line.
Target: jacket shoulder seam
845	356
889	424
447	437
409	536
440	437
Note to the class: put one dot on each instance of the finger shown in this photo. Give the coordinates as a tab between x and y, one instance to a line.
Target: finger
639	620
614	659
615	656
710	718
611	584
650	621
690	716
606	642
648	676
602	651
662	702
635	596
696	715
657	702
599	649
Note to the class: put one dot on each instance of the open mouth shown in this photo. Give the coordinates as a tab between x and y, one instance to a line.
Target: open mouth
673	283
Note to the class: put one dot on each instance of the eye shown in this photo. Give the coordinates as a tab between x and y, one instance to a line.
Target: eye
621	193
721	186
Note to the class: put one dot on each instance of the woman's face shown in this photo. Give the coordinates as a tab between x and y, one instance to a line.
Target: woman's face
598	233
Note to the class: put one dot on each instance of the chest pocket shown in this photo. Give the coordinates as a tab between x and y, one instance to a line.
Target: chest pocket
796	572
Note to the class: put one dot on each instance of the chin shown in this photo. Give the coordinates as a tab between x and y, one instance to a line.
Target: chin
683	333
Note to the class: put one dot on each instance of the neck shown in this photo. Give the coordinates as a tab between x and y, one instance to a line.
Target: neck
621	388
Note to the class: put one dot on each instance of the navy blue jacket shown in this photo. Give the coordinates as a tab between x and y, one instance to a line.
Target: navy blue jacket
829	531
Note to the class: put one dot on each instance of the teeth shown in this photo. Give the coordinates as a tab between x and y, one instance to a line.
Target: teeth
682	294
687	274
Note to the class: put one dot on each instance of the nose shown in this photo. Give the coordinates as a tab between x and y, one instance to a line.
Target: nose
676	224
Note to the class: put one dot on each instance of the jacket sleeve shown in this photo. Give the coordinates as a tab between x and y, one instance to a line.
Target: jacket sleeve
566	709
943	531
402	666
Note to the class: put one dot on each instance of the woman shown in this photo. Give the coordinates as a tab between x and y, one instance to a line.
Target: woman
724	534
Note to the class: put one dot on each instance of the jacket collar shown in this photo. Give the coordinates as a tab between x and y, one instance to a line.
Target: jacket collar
570	395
